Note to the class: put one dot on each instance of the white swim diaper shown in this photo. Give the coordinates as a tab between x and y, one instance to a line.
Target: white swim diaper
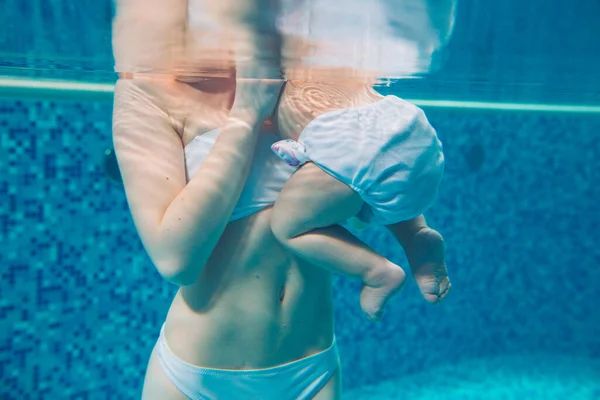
386	151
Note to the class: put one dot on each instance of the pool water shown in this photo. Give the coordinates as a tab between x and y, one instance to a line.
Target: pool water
517	107
539	377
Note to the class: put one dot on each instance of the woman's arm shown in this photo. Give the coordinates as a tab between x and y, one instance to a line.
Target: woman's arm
180	224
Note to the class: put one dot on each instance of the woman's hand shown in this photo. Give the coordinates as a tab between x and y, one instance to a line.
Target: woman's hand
256	99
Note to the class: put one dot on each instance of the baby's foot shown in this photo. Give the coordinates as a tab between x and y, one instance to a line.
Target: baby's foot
425	254
379	287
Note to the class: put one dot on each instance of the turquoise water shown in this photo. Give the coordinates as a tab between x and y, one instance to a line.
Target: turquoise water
517	216
518	208
538	377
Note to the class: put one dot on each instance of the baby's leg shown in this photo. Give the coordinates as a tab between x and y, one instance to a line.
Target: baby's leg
424	249
305	219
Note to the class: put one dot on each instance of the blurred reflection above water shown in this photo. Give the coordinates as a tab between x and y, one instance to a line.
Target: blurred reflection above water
312	40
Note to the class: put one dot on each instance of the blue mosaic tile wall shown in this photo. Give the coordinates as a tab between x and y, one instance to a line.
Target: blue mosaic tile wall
519	208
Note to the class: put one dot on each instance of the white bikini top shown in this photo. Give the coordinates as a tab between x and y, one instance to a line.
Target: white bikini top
268	173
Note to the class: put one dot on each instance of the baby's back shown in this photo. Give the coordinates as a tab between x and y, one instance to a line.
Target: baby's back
301	102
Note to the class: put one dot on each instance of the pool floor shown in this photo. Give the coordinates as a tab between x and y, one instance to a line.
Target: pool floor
540	377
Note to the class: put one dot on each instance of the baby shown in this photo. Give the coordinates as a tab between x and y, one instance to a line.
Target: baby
378	163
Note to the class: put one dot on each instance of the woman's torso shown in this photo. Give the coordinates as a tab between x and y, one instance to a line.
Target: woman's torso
254	305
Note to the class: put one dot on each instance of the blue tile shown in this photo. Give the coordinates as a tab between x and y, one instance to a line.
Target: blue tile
518	208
